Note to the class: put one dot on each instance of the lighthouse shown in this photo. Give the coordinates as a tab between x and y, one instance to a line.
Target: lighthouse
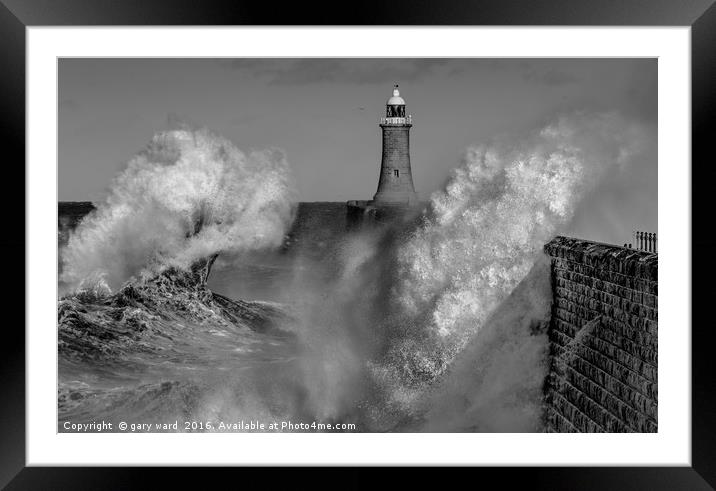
395	184
395	202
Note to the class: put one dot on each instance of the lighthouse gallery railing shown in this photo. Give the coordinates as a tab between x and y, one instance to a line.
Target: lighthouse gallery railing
397	120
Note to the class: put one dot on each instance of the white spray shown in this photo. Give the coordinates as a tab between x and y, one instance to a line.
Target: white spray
444	330
485	233
188	195
454	307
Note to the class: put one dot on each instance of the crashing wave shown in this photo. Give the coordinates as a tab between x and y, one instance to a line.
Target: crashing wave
485	232
94	324
436	328
190	194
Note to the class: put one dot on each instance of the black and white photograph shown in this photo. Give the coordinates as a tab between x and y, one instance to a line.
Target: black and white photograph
357	245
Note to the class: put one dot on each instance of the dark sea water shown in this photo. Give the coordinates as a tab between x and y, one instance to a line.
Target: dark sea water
318	331
310	248
177	350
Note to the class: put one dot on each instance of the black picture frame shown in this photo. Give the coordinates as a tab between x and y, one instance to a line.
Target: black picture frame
16	15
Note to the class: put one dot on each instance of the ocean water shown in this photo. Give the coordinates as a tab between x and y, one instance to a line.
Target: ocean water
310	248
179	353
297	335
198	294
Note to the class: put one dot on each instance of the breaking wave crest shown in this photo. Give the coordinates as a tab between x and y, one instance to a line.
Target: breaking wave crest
190	194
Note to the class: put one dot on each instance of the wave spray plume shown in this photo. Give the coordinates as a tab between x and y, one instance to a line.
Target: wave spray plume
484	234
190	194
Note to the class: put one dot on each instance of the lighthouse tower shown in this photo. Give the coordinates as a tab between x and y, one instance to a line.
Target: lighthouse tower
395	186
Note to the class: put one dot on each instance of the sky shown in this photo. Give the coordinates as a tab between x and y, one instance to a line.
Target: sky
324	114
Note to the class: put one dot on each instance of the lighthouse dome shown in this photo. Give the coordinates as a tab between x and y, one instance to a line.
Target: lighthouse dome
396	100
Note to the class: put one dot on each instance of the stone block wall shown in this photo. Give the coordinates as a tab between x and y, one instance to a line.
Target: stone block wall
603	338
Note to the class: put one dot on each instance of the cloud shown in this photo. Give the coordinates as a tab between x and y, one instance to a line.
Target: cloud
318	70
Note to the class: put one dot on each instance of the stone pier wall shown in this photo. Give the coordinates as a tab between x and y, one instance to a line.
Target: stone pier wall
603	338
69	215
362	214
